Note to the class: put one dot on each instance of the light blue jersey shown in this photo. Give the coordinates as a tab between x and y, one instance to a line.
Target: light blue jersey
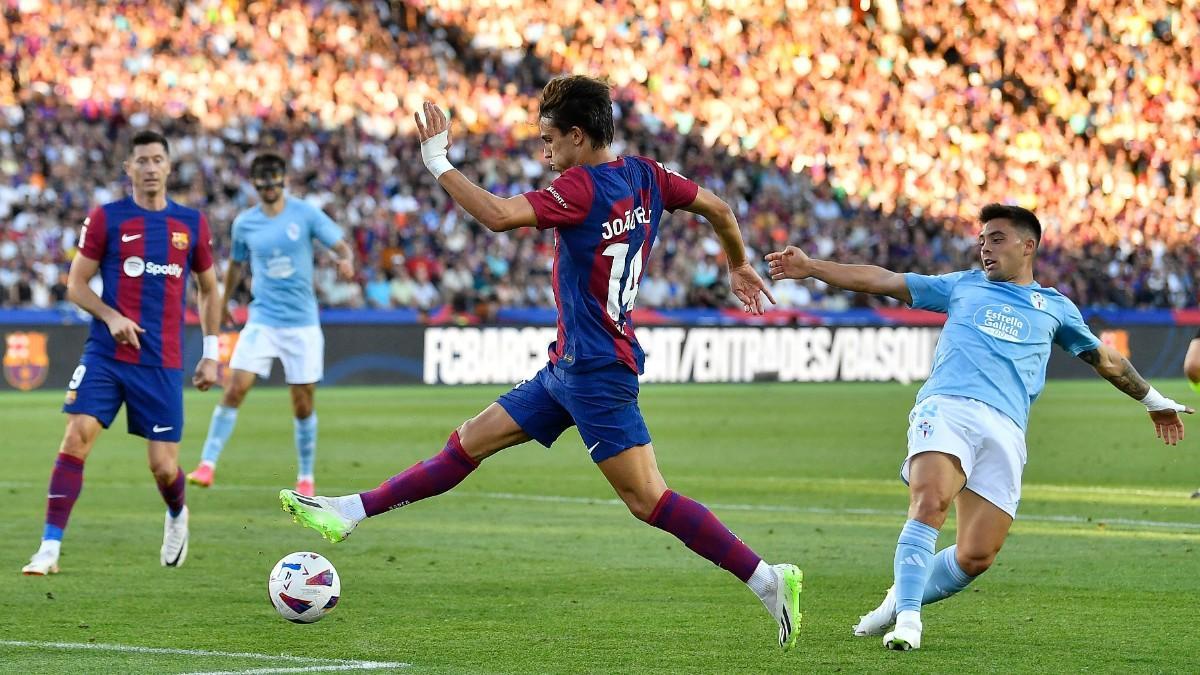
996	341
280	251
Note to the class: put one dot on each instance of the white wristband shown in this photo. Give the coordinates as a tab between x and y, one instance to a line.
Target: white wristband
438	166
433	153
212	348
1155	401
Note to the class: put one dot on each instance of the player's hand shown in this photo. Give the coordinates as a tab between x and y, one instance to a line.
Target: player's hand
125	331
205	375
1168	426
435	123
345	268
747	286
434	133
790	263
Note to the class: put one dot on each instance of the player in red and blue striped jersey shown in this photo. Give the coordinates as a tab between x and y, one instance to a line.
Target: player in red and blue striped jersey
605	212
144	247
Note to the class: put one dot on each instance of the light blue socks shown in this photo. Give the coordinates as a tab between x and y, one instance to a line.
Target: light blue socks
913	564
945	578
306	445
219	431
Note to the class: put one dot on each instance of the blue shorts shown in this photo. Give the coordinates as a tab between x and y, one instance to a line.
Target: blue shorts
153	397
602	403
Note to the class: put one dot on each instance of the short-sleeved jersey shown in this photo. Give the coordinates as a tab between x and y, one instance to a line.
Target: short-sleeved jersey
605	221
145	258
997	337
280	251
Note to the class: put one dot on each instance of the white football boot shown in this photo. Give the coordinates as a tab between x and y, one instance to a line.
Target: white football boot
175	539
45	561
907	633
878	620
784	606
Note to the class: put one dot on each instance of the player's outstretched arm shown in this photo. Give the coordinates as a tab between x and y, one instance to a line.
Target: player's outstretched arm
793	263
497	214
743	280
1117	369
122	328
209	301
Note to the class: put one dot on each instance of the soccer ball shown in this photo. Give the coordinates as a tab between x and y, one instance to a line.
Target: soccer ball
304	587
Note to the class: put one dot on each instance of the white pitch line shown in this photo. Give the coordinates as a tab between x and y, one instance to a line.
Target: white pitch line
316	664
257	670
864	482
1080	520
559	499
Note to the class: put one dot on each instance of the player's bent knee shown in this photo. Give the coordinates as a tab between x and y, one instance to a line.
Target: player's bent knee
975	563
489	432
641	502
642	509
164	472
303	411
234	396
929	504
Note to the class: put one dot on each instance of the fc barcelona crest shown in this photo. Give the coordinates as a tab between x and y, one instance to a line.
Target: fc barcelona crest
26	361
179	240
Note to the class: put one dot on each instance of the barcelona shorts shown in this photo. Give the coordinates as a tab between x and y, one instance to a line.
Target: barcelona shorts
153	397
602	403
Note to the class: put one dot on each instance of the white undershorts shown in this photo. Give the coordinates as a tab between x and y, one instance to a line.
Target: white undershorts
301	350
988	443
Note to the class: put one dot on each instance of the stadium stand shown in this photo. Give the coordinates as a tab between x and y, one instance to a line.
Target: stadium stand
1084	111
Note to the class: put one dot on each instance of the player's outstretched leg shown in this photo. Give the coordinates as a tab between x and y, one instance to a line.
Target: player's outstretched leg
66	482
336	517
224	419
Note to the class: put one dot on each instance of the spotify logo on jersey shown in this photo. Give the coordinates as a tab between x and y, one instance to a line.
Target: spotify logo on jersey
134	266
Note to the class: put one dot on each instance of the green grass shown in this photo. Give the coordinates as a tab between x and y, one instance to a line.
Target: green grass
495	577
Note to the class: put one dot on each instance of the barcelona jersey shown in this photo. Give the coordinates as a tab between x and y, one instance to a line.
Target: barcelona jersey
145	258
605	220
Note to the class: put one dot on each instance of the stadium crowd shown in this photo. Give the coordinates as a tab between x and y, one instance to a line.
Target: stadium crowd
865	135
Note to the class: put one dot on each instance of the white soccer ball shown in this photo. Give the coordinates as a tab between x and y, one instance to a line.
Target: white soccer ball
304	587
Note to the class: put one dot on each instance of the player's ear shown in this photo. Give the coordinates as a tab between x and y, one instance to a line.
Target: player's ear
577	136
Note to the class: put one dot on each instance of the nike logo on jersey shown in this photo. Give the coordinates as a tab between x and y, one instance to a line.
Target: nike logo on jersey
130	237
593	447
159	430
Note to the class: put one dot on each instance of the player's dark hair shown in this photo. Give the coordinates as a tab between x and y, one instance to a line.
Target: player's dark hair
1019	217
267	164
148	138
580	101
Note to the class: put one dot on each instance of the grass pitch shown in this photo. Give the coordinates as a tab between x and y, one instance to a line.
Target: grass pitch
532	566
